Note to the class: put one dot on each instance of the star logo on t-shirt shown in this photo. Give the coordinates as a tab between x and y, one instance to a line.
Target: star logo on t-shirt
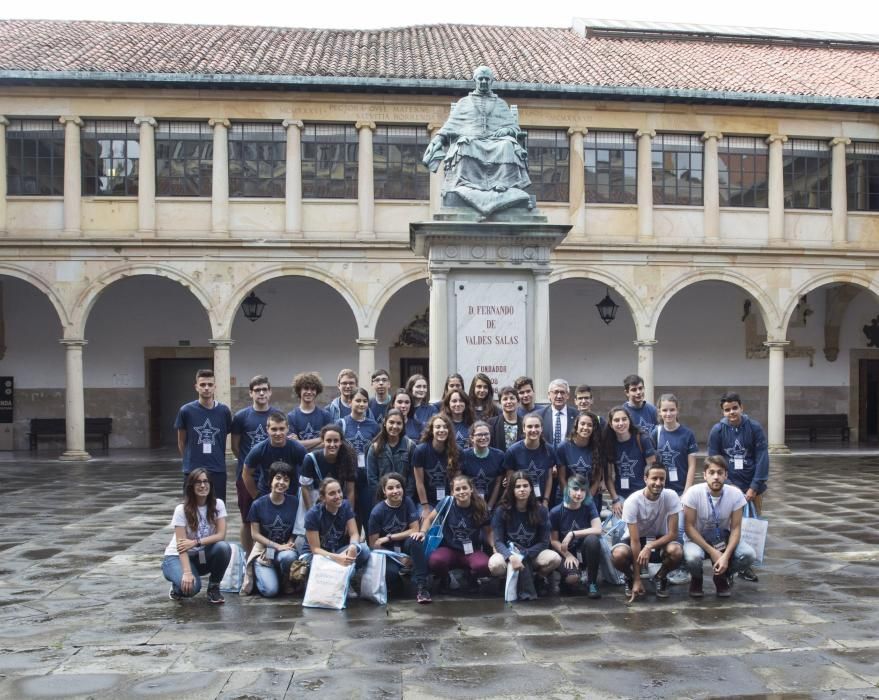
581	467
331	538
644	425
257	436
359	442
575	525
522	536
307	433
206	433
395	525
736	451
533	471
460	530
278	530
437	474
667	455
627	467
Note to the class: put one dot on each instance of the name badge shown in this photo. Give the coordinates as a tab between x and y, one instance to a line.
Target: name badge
206	448
537	490
481	494
440	494
738	462
361	460
270	553
580	555
673	474
468	547
202	557
624	483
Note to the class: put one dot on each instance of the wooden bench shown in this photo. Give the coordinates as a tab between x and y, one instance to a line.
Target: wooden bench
54	427
812	424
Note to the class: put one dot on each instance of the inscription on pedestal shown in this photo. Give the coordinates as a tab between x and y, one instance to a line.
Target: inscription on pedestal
491	329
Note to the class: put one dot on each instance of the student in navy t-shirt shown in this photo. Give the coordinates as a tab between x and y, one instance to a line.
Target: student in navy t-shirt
642	412
581	455
417	388
676	446
381	400
391	451
271	519
521	522
336	459
456	405
393	521
360	430
278	448
534	457
330	529
481	397
413	427
306	420
483	464
435	460
202	427
576	533
629	451
248	430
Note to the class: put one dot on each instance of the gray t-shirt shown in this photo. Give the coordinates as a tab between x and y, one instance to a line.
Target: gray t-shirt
651	516
731	499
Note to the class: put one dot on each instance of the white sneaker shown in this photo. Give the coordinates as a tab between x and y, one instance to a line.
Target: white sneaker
679	577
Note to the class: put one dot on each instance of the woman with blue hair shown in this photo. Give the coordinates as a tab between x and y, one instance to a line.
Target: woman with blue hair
575	534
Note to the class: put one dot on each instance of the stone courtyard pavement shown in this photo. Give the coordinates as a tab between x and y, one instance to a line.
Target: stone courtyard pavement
84	610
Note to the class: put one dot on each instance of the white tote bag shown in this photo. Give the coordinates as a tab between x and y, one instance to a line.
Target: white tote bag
327	584
754	531
373	585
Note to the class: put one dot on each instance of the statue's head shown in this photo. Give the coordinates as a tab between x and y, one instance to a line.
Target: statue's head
483	77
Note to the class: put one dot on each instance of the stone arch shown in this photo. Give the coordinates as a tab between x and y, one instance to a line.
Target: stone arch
767	308
242	289
390	289
89	296
856	279
636	308
22	273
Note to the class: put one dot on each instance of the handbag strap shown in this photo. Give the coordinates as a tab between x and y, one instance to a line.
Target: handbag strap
316	467
447	504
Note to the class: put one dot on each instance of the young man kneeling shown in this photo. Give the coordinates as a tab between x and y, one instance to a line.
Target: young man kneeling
713	526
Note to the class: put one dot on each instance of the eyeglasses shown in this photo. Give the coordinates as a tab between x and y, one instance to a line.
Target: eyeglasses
261	390
202	482
482	435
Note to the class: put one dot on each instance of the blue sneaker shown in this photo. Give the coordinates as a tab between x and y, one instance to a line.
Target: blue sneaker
593	591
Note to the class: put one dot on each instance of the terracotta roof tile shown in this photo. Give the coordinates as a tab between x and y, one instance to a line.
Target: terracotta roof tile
548	56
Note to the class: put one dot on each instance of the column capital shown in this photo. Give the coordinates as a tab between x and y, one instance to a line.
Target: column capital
541	274
221	342
3	121
645	132
146	120
219	122
577	130
712	135
645	343
364	125
297	123
439	272
70	118
840	141
776	344
366	342
73	342
772	138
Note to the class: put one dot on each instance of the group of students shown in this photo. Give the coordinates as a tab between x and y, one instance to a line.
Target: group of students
512	484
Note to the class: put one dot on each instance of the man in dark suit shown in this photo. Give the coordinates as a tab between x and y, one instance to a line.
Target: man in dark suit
558	417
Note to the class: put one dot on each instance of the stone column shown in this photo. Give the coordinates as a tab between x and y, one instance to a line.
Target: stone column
293	199
438	329
223	369
4	122
645	184
540	346
436	179
775	427
776	188
72	175
74	401
577	179
146	181
365	181
366	359
838	190
220	178
645	366
711	187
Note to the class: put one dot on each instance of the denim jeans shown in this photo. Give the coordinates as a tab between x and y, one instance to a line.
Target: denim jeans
217	557
269	577
742	558
415	550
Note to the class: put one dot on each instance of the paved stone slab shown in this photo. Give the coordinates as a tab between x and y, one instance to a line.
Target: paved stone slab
344	683
489	681
244	685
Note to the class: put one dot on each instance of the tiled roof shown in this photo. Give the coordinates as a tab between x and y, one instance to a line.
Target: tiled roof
632	61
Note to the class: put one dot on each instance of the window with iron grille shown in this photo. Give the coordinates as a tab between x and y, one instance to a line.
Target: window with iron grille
184	159
862	175
35	157
677	169
257	160
743	165
611	162
398	172
549	164
807	174
329	161
110	158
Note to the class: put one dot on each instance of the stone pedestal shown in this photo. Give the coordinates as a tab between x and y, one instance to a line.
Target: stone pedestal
489	300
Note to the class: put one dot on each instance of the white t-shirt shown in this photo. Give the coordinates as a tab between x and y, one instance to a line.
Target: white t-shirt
651	516
730	500
205	529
